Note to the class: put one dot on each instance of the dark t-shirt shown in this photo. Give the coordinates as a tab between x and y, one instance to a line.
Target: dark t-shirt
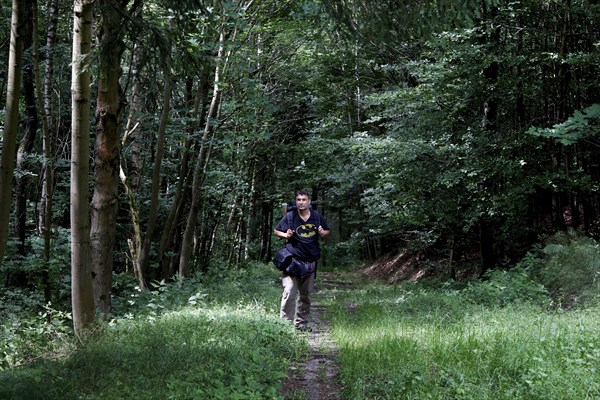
305	242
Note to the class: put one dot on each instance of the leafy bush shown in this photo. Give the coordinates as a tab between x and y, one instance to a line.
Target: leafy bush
23	339
569	267
502	287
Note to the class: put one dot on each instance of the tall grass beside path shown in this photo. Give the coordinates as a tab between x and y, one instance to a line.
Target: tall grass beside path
416	343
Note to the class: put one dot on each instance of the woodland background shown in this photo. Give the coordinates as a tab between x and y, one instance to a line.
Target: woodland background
463	134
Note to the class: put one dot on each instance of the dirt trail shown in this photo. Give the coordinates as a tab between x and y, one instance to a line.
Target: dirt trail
316	378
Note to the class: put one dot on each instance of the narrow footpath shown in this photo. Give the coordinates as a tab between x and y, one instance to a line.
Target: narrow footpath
316	377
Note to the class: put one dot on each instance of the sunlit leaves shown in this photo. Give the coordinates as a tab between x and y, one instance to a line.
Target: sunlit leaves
584	124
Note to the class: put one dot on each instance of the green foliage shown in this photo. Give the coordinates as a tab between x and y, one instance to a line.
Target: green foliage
565	271
569	267
342	255
414	147
219	339
31	326
381	25
414	342
33	266
584	124
504	287
24	337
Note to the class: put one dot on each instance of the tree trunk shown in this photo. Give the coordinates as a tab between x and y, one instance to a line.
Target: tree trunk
199	169
250	221
134	244
491	73
105	201
81	274
11	124
232	225
45	218
135	123
184	171
486	245
31	125
144	253
169	239
266	230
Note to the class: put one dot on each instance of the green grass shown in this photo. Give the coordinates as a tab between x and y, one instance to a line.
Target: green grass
232	345
416	343
222	339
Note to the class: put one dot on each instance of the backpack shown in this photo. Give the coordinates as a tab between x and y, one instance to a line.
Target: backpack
283	259
285	262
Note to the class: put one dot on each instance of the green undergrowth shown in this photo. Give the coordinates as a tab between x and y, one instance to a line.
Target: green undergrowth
218	340
417	341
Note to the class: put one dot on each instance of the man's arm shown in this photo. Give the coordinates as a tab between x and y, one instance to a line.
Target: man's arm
323	232
284	235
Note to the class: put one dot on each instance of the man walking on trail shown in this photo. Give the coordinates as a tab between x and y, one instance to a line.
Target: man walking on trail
302	228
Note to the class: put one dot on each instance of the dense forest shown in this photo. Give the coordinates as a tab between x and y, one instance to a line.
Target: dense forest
150	147
159	139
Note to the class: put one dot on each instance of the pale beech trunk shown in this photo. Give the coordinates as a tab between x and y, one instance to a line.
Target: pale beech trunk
135	243
11	124
81	274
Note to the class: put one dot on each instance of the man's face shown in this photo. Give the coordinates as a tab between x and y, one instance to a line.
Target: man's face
302	202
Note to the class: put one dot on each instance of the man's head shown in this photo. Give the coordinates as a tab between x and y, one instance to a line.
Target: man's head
302	199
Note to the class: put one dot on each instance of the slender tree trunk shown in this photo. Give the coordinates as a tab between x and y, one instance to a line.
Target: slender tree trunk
134	129
45	219
169	239
105	201
137	232
135	123
250	220
212	220
199	169
487	234
144	253
81	274
11	124
233	229
177	207
28	139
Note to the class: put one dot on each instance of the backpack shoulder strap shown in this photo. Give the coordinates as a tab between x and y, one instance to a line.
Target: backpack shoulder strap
290	219
317	217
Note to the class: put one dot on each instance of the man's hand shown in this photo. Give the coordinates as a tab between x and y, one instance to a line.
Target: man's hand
284	235
322	232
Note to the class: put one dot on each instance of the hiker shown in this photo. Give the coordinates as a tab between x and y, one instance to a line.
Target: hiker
302	228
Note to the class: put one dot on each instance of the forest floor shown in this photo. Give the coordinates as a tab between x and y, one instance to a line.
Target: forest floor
316	377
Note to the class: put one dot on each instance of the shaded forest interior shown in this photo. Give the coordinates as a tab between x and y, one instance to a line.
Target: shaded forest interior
462	133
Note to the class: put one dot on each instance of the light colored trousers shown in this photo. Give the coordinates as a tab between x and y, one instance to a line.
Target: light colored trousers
295	301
